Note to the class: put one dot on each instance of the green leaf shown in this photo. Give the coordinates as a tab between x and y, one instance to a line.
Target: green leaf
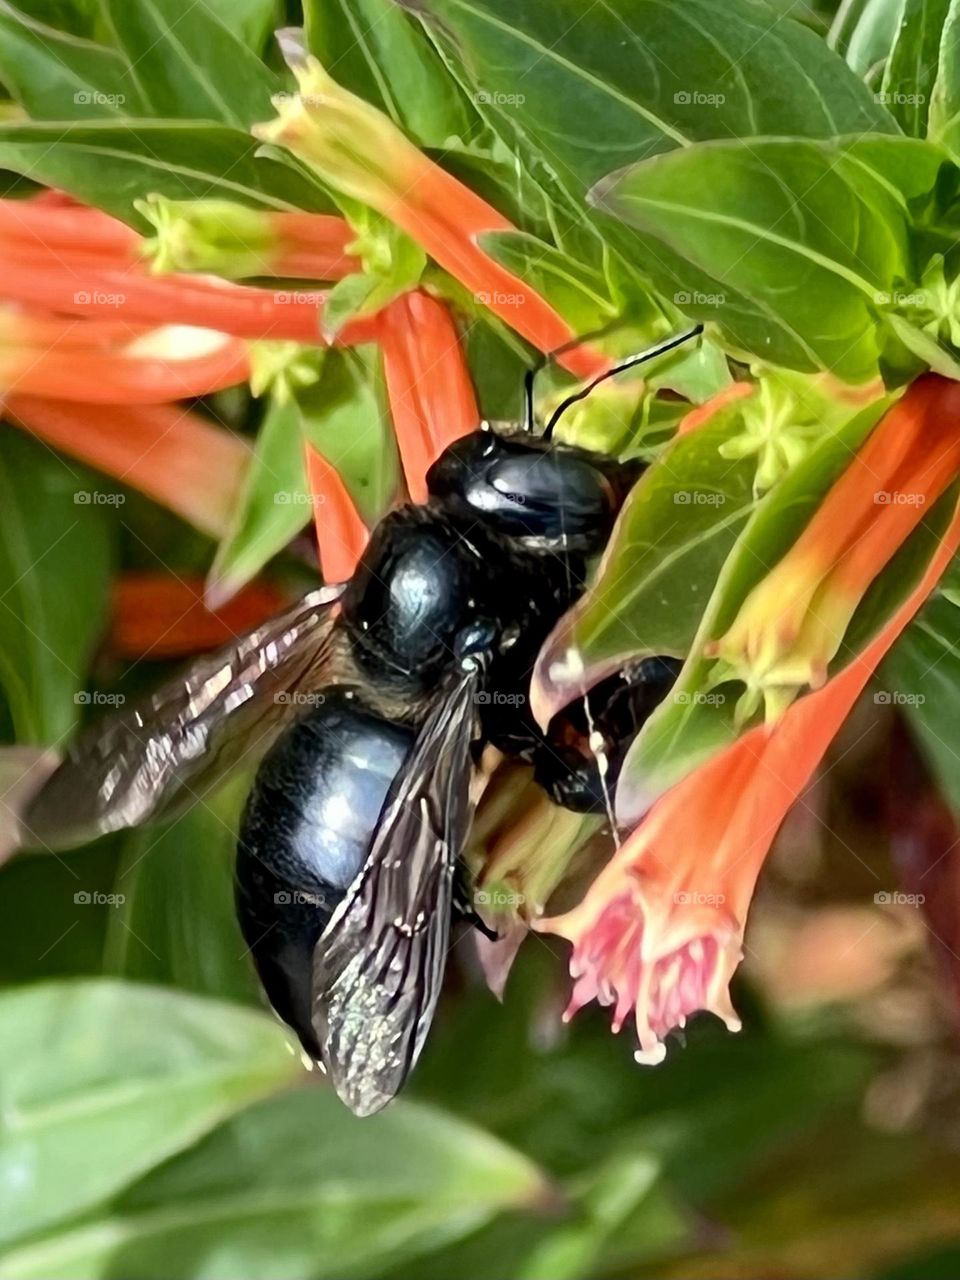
944	116
912	66
102	1080
113	164
787	245
252	20
644	76
379	52
274	506
55	559
295	1188
864	31
575	289
59	75
344	417
176	924
668	547
185	62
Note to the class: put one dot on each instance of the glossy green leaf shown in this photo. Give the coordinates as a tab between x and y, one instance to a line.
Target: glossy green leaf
176	923
668	547
381	53
787	245
344	417
274	506
60	75
55	559
102	1080
639	77
186	63
912	66
295	1188
113	164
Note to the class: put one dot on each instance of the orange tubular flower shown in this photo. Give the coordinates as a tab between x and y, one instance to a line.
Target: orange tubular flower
792	624
174	456
428	383
89	364
363	154
341	534
661	929
79	289
159	616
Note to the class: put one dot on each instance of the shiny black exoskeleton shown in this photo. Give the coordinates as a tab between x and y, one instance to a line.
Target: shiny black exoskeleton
486	567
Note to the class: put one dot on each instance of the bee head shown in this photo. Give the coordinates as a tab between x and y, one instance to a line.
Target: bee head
530	488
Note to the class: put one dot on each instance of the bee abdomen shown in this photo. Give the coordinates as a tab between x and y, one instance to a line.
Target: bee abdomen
306	831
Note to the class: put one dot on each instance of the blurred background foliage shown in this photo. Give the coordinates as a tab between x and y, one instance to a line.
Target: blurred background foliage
155	1122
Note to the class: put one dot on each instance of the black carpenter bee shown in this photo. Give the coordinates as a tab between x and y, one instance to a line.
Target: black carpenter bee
368	705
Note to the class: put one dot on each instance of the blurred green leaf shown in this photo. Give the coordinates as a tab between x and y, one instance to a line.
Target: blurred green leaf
176	924
101	1080
864	32
186	63
924	669
787	245
944	116
911	68
274	506
112	164
55	558
293	1188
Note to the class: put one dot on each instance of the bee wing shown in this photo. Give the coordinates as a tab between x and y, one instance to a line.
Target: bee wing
163	751
378	966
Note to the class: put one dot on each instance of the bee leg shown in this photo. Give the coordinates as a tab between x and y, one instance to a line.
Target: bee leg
579	761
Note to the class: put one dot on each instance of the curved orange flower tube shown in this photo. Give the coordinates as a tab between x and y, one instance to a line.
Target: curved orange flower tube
428	383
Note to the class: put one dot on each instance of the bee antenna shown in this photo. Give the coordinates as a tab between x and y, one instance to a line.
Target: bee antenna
641	358
548	357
